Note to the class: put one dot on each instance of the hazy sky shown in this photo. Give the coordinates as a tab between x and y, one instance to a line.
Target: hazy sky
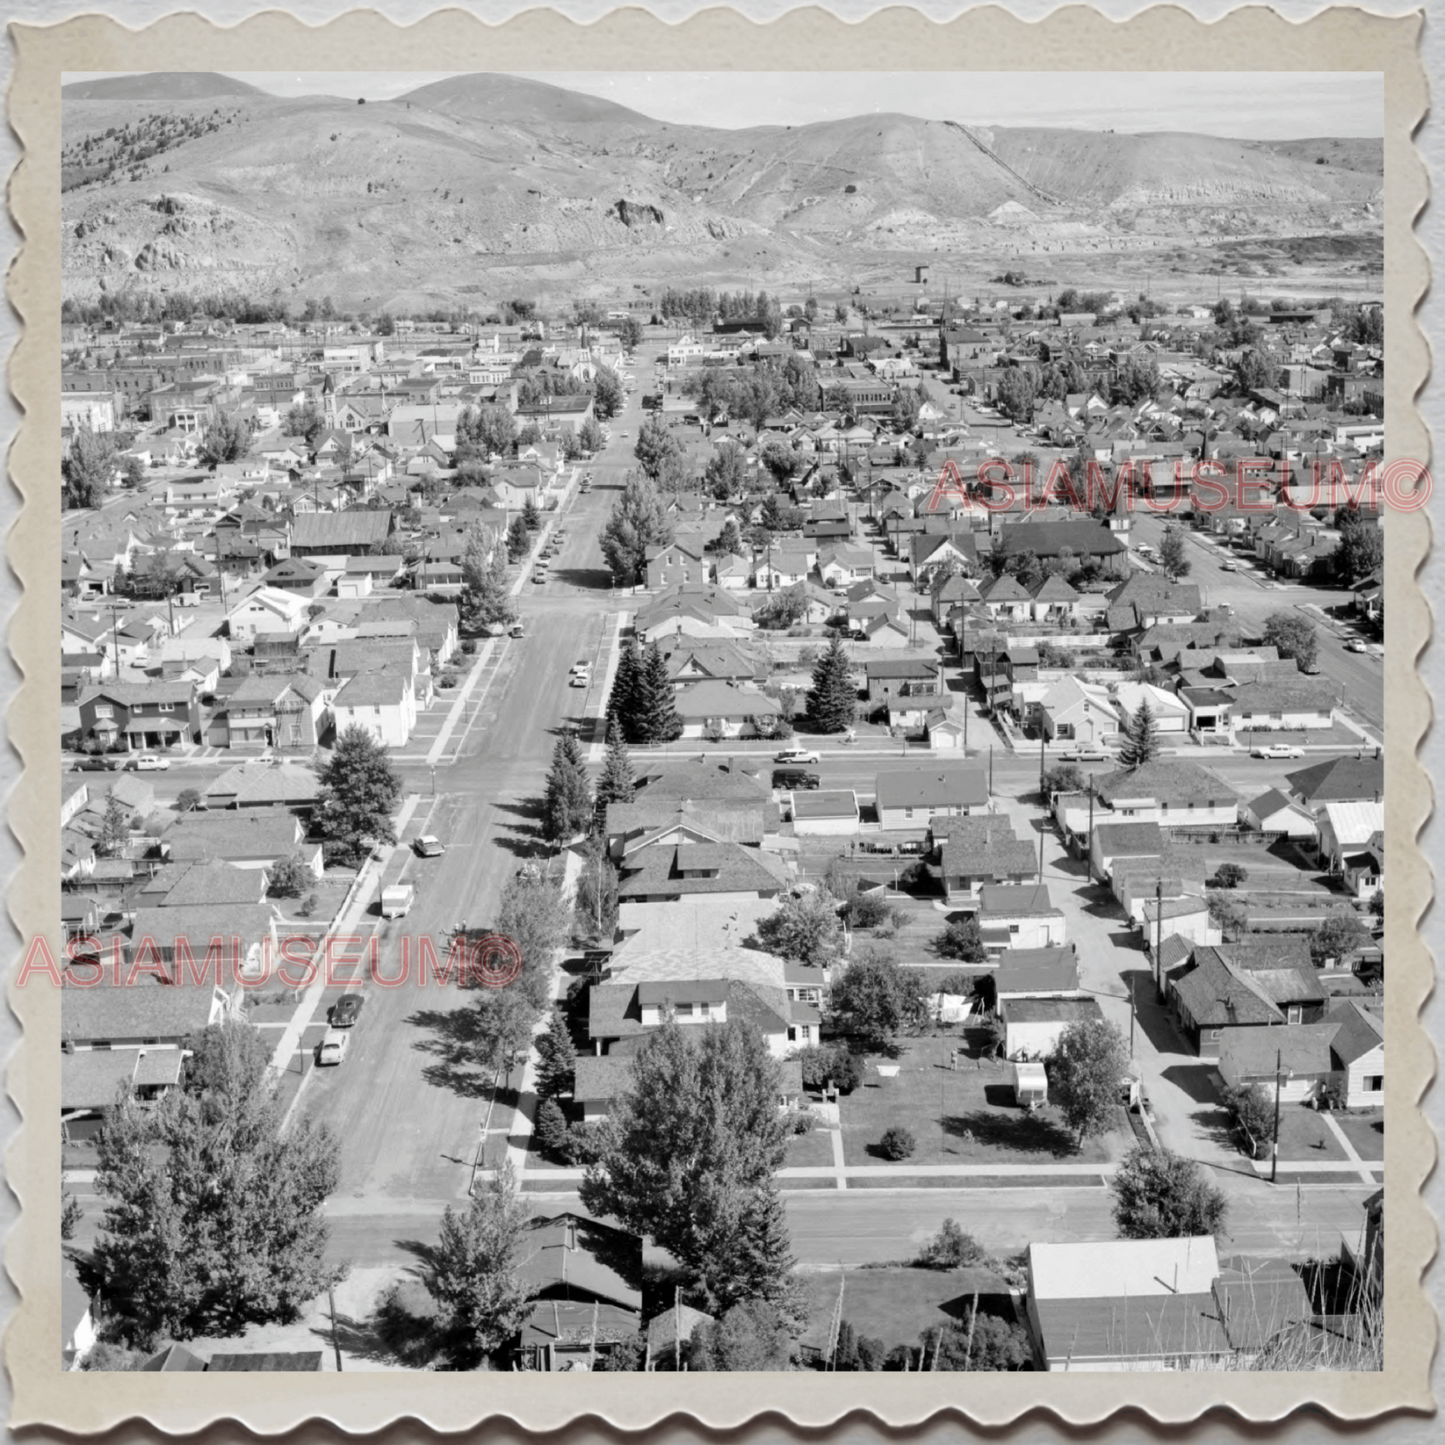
1260	105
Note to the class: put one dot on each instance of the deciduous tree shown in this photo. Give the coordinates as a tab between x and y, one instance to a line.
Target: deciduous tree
88	467
655	445
359	791
485	600
213	1216
1294	636
689	1153
1162	1195
227	439
1172	557
874	1001
606	393
638	521
474	1269
805	928
1085	1072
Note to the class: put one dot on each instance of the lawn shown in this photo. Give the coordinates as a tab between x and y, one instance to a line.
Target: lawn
963	1116
810	1149
1366	1131
1303	1134
896	1305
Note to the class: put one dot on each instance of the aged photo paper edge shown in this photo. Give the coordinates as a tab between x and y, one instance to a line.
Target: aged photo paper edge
1076	39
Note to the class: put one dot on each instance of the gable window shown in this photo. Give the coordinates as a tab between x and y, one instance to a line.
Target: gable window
165	707
104	710
1294	1014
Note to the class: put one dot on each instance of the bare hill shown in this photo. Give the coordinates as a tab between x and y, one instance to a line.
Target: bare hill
160	85
487	186
513	100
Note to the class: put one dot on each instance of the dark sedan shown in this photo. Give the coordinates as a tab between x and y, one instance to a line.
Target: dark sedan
345	1011
796	781
96	765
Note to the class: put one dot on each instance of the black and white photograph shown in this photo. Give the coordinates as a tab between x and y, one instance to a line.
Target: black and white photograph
723	721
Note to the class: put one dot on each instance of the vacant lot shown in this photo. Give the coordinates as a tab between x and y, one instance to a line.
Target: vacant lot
963	1116
896	1305
810	1149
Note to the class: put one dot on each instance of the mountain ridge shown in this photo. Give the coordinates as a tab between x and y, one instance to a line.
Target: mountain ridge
478	181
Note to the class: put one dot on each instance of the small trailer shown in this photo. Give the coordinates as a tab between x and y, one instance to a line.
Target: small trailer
396	901
1031	1086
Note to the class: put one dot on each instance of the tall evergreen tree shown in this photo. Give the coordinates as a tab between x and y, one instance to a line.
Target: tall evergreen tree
567	806
833	699
519	540
485	601
623	707
761	1263
473	1275
1140	744
557	1056
658	721
531	517
213	1216
616	783
359	789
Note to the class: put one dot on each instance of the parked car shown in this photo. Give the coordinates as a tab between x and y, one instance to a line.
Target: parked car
1357	644
578	679
346	1010
516	630
333	1046
539	576
96	765
797	755
428	846
581	665
1086	755
147	763
1311	670
1277	750
1229	566
796	780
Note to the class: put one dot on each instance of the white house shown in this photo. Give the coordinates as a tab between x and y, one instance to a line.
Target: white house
267	611
1282	706
1032	1026
1272	812
1019	915
1171	713
1170	792
831	813
380	702
1348	828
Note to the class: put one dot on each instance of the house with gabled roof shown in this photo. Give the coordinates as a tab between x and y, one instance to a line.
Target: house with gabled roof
931	552
1019	915
267	610
968	853
1264	982
157	713
381	703
1338	780
1282	706
914	797
1052	599
1005	599
664	871
1170	792
585	1283
1272	812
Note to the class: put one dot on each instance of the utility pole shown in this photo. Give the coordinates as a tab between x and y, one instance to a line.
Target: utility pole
1043	792
1158	935
1274	1143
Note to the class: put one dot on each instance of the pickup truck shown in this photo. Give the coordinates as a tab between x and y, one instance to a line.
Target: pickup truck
396	901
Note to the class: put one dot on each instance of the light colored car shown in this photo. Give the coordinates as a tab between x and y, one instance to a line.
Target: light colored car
796	755
147	763
428	846
578	679
1276	750
333	1047
1229	566
582	666
1356	644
